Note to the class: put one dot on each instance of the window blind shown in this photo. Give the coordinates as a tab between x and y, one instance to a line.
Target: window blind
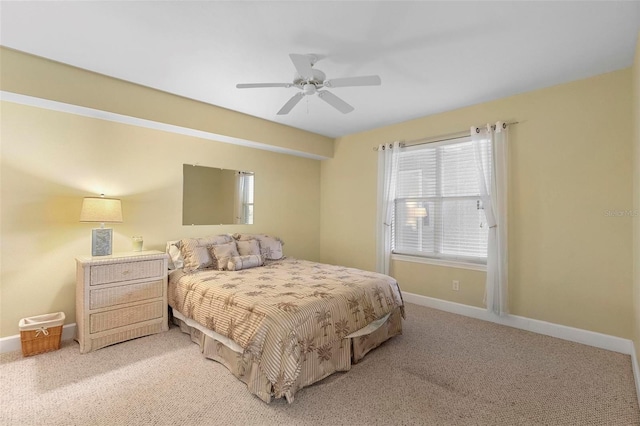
438	211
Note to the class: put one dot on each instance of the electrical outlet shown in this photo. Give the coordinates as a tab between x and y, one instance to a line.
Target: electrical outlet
455	286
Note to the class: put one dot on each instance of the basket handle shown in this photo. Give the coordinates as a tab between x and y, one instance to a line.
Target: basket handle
43	331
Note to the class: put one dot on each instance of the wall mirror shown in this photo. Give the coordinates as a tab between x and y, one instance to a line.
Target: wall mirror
213	196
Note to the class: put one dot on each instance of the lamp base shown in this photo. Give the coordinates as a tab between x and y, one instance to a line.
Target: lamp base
101	241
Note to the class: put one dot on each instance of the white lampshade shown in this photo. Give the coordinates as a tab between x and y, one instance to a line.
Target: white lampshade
101	209
97	209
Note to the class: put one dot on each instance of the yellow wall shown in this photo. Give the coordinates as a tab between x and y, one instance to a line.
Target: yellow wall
34	76
570	162
636	196
50	160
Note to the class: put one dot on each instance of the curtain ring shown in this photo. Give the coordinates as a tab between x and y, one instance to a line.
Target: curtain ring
477	129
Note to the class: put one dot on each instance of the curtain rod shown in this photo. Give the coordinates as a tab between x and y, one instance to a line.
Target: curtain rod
441	138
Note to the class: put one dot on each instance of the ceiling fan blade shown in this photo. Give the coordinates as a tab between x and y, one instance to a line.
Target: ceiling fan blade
257	85
303	65
335	101
291	103
366	80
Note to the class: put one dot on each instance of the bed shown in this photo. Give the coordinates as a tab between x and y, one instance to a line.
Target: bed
285	323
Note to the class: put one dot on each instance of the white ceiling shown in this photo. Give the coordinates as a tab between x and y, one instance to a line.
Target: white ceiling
431	56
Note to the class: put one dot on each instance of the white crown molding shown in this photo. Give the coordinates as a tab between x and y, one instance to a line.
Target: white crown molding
149	124
586	337
13	343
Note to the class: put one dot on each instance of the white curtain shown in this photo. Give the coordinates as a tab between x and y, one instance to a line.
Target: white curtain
387	175
238	198
491	143
243	196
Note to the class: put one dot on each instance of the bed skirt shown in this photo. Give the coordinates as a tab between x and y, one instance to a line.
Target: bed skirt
344	353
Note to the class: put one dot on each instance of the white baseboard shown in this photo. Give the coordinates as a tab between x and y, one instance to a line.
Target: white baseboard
599	340
12	343
591	338
636	371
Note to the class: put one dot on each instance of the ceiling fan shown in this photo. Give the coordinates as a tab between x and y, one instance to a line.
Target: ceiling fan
310	80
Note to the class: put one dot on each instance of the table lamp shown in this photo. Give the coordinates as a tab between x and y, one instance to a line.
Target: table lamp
101	209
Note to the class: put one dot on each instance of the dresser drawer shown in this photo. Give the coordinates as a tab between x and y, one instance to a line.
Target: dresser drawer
103	297
120	317
116	272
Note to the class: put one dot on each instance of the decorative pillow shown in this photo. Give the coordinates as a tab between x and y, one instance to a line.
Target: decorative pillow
203	258
195	258
237	263
222	254
270	247
248	247
175	256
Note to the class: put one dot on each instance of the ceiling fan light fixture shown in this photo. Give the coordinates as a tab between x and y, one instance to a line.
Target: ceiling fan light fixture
309	89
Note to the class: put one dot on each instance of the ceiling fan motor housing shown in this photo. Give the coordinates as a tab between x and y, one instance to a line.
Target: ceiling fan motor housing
318	79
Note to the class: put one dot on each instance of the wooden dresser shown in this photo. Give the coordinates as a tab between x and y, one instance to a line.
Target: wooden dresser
120	297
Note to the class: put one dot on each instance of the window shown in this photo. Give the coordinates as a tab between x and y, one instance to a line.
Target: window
438	212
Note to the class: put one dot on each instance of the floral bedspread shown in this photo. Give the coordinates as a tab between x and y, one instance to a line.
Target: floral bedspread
286	311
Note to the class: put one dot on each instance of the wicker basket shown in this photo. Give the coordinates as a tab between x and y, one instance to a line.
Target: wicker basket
41	334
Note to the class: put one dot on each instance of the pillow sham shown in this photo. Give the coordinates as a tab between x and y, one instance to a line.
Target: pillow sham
248	247
236	263
222	253
270	247
195	253
175	256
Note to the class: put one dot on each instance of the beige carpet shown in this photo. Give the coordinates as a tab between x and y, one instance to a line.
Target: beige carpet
445	370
